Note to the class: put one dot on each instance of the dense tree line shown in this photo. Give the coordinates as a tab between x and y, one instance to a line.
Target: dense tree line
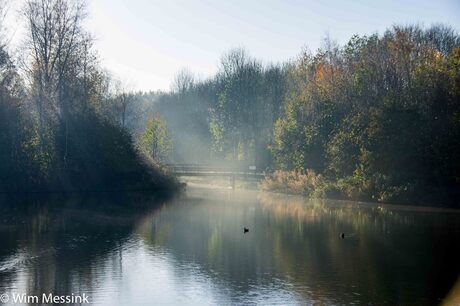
378	117
58	130
375	119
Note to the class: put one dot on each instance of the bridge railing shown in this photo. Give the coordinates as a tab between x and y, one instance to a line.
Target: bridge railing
215	170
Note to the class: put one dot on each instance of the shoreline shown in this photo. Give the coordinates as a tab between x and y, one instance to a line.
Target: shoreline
392	206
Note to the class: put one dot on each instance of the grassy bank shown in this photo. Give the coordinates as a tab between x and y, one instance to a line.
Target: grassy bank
314	185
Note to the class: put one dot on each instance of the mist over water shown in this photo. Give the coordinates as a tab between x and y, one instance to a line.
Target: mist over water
192	250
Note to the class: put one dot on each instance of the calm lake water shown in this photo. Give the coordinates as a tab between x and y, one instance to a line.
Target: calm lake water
192	250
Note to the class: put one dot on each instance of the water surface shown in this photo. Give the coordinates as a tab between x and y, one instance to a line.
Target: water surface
192	250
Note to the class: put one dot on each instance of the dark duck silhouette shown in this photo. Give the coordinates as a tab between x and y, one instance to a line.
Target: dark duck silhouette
245	230
342	235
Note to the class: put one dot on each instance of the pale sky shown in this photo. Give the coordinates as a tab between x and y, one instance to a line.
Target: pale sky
144	42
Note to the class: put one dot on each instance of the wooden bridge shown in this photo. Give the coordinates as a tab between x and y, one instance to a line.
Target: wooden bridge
239	171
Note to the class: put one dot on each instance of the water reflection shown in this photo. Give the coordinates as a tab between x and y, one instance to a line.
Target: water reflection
193	251
390	256
60	246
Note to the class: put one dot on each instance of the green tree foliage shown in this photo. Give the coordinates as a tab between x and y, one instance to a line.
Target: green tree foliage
155	140
379	117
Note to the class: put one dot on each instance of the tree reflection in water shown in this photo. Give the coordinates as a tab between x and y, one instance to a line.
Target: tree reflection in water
391	254
193	251
62	245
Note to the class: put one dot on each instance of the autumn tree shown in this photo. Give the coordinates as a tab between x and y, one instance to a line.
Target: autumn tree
378	117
